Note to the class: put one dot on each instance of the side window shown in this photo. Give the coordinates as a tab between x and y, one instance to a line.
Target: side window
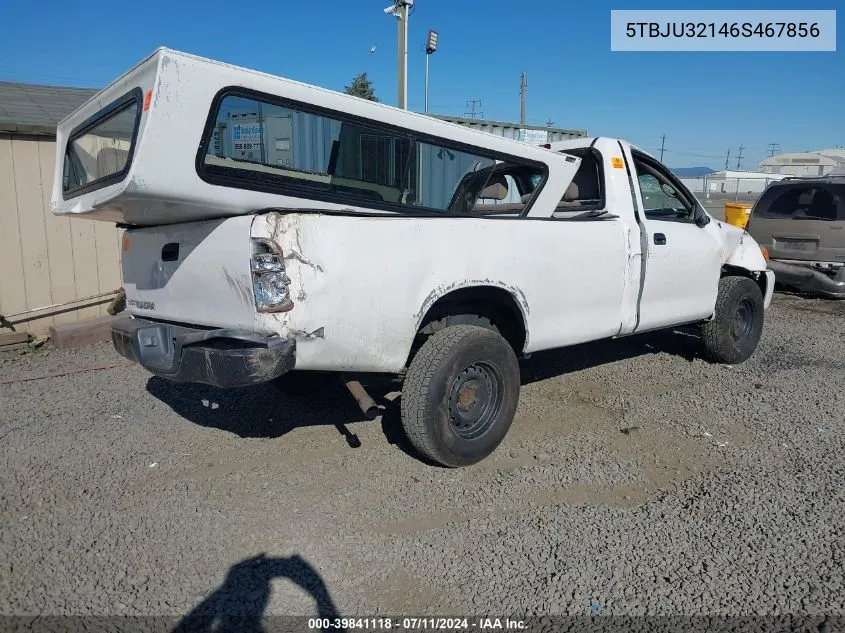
272	147
499	189
275	144
586	191
661	198
443	171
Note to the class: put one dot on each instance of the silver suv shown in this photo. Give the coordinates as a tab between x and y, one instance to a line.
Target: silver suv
801	222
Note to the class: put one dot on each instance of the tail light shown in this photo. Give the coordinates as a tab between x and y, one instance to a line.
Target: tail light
270	283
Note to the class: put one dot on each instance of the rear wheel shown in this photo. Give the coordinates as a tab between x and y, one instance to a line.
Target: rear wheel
732	336
460	395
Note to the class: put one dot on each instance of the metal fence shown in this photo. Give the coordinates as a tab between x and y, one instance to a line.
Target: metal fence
738	187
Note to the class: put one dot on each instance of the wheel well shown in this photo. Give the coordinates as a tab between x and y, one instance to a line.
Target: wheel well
482	305
735	271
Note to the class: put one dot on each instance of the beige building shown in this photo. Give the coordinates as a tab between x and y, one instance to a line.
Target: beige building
806	164
54	269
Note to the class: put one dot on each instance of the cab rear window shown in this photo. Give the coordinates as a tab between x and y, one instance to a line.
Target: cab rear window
99	152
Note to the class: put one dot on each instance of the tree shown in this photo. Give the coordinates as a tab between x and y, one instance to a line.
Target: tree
361	87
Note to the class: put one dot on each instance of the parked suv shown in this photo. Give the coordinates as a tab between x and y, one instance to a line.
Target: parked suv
801	222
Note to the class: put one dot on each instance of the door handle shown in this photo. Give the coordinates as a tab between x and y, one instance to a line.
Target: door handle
659	239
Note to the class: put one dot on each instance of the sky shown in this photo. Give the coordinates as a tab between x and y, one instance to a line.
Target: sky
704	102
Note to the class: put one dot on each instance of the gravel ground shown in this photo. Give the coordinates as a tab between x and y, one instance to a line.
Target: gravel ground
637	479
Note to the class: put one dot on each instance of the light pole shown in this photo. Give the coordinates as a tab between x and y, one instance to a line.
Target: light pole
430	47
400	9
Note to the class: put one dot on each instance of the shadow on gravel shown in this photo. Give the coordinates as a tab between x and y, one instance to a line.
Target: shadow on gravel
264	412
239	603
682	342
260	411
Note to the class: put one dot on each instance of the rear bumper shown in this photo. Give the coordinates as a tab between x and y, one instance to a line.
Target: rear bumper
222	358
809	280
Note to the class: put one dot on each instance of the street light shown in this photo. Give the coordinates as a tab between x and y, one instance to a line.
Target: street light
430	47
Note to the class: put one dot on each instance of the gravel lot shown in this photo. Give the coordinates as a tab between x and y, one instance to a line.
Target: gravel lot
637	479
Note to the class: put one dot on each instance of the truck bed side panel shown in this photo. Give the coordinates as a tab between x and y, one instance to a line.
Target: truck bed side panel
361	285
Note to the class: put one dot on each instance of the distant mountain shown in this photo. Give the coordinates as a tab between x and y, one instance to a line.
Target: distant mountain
691	172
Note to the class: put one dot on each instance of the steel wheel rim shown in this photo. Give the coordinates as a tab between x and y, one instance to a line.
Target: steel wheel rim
742	323
476	398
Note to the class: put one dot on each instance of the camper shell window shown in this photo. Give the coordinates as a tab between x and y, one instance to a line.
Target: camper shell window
256	141
99	151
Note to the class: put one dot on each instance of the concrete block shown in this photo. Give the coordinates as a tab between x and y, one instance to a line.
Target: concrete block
67	335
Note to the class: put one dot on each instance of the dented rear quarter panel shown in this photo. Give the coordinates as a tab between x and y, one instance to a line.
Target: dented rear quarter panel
362	285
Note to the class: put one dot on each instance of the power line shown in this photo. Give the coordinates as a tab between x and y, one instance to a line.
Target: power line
772	149
471	103
674	151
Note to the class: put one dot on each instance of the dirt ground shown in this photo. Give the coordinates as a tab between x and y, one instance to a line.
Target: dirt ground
637	479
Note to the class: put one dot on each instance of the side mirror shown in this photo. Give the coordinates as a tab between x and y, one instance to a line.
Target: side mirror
700	216
668	190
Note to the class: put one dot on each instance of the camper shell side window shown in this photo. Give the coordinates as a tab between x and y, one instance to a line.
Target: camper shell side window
265	143
99	151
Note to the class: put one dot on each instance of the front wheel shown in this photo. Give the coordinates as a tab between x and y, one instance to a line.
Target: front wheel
732	336
460	395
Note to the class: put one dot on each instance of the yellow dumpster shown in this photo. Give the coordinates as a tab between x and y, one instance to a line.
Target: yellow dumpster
737	213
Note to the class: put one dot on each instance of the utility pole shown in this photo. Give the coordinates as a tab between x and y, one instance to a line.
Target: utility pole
471	104
662	145
739	158
773	147
549	122
523	85
400	9
727	158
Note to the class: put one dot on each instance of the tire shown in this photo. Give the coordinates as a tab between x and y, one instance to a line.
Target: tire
299	384
460	395
732	336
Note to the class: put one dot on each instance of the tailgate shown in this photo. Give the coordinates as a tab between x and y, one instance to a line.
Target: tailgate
196	273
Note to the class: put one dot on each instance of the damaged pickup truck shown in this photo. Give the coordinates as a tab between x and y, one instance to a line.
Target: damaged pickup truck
275	229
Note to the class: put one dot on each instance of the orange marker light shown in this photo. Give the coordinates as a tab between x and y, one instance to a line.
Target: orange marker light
124	245
765	252
617	162
148	99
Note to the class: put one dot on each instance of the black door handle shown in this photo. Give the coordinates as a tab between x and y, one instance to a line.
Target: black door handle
659	239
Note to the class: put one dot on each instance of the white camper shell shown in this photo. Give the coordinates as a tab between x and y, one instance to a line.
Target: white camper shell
276	229
161	144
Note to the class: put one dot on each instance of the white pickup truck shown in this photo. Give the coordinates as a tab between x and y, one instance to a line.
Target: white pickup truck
275	229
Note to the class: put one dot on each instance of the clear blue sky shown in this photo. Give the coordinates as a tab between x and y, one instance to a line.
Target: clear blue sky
703	102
